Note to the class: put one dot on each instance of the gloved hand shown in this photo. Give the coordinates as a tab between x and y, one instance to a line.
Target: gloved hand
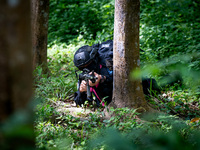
83	86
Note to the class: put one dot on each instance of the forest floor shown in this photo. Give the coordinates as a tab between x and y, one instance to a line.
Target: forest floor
69	107
164	102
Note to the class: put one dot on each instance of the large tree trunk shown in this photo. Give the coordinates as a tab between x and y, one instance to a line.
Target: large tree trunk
127	92
40	15
15	73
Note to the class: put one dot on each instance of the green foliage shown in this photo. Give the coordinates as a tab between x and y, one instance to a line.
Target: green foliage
168	28
85	19
124	128
179	65
17	130
176	135
59	83
182	103
169	34
66	127
124	119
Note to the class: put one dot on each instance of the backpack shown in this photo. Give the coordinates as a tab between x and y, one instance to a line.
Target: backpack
105	52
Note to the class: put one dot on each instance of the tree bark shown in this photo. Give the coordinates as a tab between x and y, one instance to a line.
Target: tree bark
40	15
127	92
15	72
15	57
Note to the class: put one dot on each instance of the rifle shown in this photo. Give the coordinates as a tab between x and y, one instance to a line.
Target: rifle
86	76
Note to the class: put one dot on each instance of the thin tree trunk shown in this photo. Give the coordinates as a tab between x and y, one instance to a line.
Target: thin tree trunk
40	15
126	92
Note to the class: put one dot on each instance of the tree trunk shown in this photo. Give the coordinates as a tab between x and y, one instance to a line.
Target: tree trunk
126	92
40	15
15	73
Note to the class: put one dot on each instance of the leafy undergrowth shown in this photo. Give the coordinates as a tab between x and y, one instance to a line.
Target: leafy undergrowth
126	129
61	125
180	103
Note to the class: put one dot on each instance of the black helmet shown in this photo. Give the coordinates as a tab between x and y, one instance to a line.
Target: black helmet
84	55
